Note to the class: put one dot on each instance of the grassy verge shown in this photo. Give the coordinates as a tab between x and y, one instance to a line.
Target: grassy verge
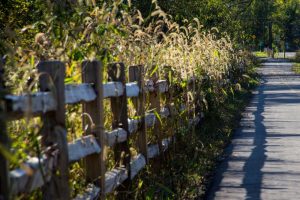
296	68
191	164
220	127
260	54
296	65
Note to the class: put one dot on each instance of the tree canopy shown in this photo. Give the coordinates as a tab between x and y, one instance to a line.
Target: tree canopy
248	22
252	24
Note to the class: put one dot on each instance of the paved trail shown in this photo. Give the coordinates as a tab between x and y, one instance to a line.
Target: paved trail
263	160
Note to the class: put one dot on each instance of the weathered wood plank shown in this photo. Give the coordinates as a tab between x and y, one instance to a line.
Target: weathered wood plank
41	102
33	175
136	165
116	136
53	130
120	135
150	120
113	89
83	147
165	112
115	178
30	104
25	181
91	192
30	178
79	93
132	89
166	143
38	103
92	72
133	125
160	86
116	89
153	149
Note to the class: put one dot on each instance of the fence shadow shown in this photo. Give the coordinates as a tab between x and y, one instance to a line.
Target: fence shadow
241	174
252	180
251	171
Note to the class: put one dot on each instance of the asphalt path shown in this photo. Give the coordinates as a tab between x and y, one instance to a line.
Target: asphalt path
263	160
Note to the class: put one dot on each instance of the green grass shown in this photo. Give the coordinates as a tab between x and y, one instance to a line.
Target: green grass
191	163
296	68
296	65
260	54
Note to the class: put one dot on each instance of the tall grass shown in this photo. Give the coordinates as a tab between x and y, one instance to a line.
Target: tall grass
117	32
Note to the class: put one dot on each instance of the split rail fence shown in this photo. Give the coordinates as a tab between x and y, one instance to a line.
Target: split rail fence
51	170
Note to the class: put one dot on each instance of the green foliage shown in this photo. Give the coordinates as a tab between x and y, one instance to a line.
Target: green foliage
261	54
296	68
189	166
113	31
246	21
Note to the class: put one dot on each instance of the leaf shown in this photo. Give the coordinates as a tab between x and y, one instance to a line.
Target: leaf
205	103
130	103
216	53
170	77
77	55
26	28
140	184
69	80
157	116
154	70
232	92
246	76
183	84
101	29
9	156
32	61
224	92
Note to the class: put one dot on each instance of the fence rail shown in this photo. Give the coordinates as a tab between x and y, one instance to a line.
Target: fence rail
51	171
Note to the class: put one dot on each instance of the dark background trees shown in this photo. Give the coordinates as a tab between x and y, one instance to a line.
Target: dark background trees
252	24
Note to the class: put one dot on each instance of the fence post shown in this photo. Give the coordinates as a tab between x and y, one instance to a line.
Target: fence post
136	73
52	74
192	105
168	75
154	98
116	72
95	164
4	143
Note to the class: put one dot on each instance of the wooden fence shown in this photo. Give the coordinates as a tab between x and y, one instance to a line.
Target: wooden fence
51	170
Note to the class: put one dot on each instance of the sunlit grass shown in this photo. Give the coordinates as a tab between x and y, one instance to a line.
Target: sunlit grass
260	54
296	68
